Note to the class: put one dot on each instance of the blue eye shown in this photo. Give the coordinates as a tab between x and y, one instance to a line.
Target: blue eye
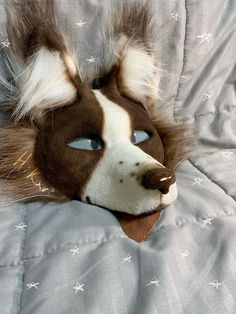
87	143
139	137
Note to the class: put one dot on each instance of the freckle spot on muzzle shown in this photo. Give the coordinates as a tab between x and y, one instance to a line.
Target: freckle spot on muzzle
121	162
121	181
137	164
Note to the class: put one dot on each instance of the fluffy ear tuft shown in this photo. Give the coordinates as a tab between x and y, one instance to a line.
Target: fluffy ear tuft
137	77
45	84
47	71
20	177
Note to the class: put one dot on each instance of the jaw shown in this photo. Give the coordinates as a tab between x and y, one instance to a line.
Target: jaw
118	188
140	227
132	199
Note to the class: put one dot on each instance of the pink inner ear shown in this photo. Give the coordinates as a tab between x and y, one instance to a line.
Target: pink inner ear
138	228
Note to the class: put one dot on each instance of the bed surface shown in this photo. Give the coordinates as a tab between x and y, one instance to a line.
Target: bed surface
75	258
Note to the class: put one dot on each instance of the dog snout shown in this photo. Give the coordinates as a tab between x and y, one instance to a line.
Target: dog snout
159	179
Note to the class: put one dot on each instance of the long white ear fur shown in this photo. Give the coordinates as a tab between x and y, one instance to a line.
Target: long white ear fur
45	84
138	78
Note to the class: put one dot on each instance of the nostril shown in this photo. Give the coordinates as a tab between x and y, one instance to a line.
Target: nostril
164	190
158	179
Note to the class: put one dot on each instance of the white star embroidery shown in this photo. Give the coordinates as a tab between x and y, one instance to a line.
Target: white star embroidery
197	181
90	60
21	226
75	250
185	254
6	43
78	287
32	284
207	221
153	282
227	154
204	37
206	96
174	16
80	24
215	284
127	259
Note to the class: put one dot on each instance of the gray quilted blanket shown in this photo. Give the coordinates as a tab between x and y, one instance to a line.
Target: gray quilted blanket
75	258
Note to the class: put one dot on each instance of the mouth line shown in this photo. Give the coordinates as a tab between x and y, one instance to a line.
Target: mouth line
134	212
117	212
137	227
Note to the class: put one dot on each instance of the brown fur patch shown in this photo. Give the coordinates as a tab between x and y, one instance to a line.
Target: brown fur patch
31	25
67	168
135	21
140	119
176	139
20	178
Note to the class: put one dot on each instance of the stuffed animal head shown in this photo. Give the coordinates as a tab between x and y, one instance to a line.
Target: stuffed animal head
104	149
96	141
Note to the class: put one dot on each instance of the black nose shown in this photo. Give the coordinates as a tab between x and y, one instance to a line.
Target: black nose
158	179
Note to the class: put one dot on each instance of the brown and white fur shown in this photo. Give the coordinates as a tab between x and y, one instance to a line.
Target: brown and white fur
54	98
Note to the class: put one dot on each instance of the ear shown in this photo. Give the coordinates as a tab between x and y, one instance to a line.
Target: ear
20	178
138	79
48	73
45	85
137	76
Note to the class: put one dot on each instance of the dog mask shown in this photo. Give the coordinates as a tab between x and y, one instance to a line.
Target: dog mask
105	150
101	146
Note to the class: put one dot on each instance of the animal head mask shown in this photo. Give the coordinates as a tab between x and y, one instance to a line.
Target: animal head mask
96	140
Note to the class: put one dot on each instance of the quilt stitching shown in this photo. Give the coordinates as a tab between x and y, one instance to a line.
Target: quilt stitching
10	265
21	258
209	113
184	56
206	221
78	243
213	181
178	224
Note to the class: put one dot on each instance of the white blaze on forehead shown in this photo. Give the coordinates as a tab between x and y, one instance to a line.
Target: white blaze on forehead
114	185
117	124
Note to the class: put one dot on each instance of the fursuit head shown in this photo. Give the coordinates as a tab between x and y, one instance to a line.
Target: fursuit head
86	124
